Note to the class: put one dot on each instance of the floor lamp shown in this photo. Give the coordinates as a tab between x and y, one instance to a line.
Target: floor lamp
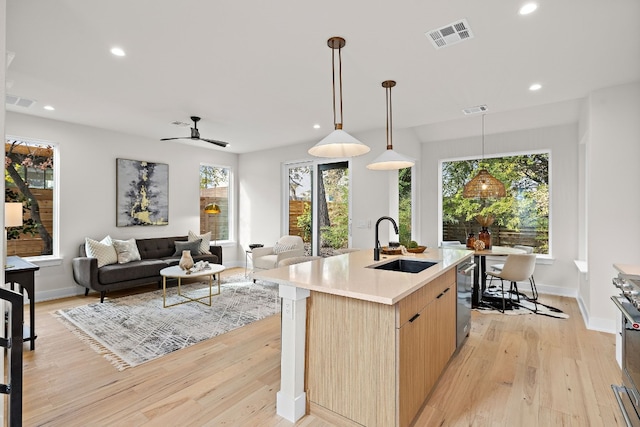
213	209
12	218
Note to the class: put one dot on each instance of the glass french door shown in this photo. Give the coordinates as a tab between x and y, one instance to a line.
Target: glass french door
318	207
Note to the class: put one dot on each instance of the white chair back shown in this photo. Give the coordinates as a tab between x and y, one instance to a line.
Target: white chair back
526	249
518	267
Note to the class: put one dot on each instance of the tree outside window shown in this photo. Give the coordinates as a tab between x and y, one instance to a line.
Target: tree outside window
214	188
29	180
520	218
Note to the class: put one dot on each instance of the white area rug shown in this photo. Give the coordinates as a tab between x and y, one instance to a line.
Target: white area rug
135	329
525	306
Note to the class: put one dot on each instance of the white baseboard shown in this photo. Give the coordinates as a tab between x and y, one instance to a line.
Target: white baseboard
592	323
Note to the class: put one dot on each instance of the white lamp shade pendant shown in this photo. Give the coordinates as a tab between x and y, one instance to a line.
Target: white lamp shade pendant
390	159
338	143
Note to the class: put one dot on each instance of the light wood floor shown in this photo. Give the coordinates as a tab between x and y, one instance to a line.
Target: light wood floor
524	370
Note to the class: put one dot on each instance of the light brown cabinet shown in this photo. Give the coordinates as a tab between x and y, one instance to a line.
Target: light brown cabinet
375	364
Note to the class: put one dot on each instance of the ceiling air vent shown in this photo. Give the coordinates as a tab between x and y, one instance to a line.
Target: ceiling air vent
475	110
19	101
450	34
181	124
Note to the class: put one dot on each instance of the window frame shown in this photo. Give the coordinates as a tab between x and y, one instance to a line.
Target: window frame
54	258
231	222
548	152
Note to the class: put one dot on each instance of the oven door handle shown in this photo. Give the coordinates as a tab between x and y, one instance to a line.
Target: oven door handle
624	311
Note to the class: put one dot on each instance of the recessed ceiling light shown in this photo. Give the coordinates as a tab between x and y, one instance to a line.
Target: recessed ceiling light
527	8
117	51
535	86
48	107
316	126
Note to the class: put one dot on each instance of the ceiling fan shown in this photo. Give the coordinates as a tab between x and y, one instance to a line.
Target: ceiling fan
195	134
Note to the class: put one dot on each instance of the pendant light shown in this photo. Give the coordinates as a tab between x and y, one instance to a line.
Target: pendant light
483	185
390	159
338	143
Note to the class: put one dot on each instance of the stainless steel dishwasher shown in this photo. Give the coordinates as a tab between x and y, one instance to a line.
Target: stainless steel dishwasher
463	310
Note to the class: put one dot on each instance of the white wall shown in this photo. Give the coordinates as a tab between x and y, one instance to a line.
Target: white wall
560	275
612	126
87	164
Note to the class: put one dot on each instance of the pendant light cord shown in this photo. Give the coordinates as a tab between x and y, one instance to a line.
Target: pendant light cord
337	124
389	120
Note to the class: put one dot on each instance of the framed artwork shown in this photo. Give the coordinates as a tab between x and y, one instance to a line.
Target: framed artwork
142	191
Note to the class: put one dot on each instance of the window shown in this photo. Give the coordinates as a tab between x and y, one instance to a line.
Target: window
520	218
404	206
215	187
29	179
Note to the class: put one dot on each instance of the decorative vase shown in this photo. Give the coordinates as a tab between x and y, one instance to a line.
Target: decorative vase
485	236
470	241
186	262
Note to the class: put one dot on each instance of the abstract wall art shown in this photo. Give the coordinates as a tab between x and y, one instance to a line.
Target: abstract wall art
142	192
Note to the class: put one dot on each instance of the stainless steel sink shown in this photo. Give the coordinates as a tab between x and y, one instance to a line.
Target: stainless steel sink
404	265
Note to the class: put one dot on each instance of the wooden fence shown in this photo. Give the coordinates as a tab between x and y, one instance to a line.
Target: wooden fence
27	245
501	236
296	208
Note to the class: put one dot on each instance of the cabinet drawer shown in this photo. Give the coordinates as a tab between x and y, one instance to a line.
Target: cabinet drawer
415	302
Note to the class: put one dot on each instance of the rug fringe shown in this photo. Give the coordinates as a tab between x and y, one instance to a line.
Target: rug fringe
96	346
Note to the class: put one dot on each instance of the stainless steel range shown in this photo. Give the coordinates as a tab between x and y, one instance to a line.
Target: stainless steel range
627	394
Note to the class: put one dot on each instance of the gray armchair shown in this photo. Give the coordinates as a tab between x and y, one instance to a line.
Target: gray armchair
269	257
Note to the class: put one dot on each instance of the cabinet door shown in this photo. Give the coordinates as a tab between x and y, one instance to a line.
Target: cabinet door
445	333
414	365
425	345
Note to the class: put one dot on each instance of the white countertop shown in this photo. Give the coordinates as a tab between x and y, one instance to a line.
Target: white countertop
628	270
347	275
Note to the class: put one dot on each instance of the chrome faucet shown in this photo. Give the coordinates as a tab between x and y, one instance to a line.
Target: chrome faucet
376	247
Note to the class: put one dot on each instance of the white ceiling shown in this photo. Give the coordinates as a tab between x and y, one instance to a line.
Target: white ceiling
259	72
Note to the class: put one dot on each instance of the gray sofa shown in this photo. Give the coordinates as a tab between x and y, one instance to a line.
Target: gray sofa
155	254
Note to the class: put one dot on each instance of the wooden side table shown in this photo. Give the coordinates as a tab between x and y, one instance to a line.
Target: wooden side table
22	272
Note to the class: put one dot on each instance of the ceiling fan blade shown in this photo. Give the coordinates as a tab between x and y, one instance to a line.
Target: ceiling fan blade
169	139
213	141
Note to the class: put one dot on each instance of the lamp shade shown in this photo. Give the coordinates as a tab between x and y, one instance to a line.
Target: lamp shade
484	186
13	214
212	208
338	144
390	160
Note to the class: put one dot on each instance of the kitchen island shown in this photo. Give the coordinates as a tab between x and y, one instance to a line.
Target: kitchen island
366	344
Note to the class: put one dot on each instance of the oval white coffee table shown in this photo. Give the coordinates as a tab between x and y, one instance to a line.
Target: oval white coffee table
175	272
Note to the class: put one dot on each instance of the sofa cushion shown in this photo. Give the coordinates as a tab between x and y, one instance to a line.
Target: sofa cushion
205	241
115	273
127	250
158	247
193	247
102	250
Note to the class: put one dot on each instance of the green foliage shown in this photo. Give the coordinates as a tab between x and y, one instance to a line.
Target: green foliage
337	189
404	205
213	176
304	222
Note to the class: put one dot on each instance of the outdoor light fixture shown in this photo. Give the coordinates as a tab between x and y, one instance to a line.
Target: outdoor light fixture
212	208
390	159
338	143
483	185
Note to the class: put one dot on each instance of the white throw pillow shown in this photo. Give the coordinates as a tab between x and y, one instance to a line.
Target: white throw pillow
102	250
278	248
204	244
127	250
